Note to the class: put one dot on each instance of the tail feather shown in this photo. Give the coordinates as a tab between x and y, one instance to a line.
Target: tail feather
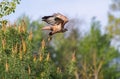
46	28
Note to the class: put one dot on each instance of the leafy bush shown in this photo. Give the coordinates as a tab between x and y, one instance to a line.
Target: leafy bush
18	59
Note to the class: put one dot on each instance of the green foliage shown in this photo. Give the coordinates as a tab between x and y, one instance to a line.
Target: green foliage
25	55
113	26
14	46
19	59
97	53
113	29
6	8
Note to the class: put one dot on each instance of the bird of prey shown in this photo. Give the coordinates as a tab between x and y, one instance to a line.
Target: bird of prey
56	23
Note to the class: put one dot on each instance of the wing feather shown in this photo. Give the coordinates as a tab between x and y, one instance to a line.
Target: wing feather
55	19
49	19
62	17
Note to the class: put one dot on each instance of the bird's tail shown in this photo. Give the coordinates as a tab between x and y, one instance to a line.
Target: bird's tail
47	28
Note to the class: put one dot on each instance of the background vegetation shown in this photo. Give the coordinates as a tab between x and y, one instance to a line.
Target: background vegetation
26	53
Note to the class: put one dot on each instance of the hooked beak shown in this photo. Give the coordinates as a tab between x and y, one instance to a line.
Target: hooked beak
66	29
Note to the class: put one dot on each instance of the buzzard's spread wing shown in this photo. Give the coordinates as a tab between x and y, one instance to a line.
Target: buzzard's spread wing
49	19
62	17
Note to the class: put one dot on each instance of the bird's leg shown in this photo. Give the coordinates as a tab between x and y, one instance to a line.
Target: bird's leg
49	37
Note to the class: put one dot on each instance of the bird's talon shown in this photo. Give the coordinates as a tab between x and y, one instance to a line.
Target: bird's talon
49	38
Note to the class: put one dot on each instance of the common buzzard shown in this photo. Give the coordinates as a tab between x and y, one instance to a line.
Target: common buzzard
56	23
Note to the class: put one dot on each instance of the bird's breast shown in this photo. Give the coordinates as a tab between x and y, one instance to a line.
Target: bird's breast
56	28
59	27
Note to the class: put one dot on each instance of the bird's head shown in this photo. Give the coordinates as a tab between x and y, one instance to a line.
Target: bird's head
64	30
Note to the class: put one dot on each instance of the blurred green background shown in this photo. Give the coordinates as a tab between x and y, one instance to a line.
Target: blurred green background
89	50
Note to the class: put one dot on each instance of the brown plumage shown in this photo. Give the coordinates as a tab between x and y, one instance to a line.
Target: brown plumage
56	23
